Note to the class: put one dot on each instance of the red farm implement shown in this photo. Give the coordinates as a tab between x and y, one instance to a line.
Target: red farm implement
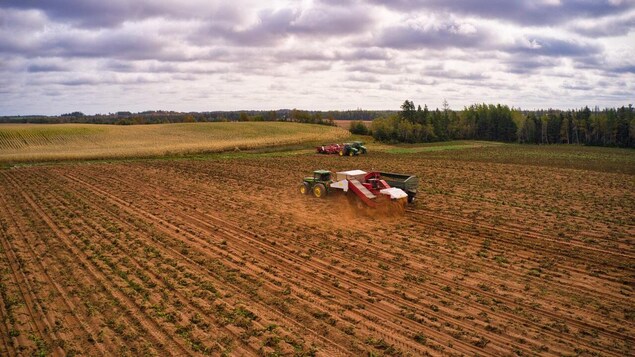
329	149
372	188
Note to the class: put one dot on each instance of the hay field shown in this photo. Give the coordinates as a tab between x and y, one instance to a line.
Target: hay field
43	142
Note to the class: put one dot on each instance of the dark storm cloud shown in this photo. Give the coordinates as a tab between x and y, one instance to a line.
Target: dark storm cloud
526	12
445	35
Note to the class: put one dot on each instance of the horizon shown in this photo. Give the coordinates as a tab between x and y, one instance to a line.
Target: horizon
147	111
317	55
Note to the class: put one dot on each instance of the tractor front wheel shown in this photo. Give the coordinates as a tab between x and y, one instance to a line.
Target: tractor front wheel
319	190
305	188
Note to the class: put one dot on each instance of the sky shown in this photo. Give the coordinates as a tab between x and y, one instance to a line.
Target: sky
96	56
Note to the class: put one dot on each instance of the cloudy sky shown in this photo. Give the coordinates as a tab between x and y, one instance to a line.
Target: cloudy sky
97	56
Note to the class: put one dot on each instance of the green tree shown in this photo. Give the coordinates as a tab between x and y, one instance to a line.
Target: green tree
408	111
358	127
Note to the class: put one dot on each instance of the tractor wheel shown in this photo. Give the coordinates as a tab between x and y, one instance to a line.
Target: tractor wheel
319	190
305	188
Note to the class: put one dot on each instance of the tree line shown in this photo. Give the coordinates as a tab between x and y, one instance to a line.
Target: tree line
607	127
163	117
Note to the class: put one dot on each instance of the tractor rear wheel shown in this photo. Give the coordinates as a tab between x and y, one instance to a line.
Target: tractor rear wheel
305	188
319	190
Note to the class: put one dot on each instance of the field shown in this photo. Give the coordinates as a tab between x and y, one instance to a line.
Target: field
508	250
346	124
33	142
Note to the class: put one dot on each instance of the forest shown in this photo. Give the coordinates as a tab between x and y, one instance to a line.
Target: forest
607	127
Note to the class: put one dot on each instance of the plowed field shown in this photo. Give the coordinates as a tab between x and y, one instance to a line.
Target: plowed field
188	257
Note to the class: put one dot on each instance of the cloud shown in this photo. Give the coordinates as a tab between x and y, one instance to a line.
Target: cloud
370	52
578	85
35	68
454	74
274	26
365	53
547	46
19	29
101	80
383	68
522	64
436	36
525	12
626	68
606	27
113	13
330	20
362	78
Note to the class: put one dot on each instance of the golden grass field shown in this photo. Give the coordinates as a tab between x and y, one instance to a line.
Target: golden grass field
44	142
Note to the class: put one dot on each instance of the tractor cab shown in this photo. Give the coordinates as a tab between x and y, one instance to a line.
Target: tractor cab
321	176
318	184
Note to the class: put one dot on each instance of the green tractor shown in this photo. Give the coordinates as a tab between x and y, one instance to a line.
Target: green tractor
318	184
359	146
348	150
352	149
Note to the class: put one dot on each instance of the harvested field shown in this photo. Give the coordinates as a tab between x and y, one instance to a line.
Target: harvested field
346	124
499	255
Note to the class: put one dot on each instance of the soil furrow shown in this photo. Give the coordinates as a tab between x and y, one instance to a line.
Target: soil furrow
158	334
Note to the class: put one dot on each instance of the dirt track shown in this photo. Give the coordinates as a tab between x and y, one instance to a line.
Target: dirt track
190	257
